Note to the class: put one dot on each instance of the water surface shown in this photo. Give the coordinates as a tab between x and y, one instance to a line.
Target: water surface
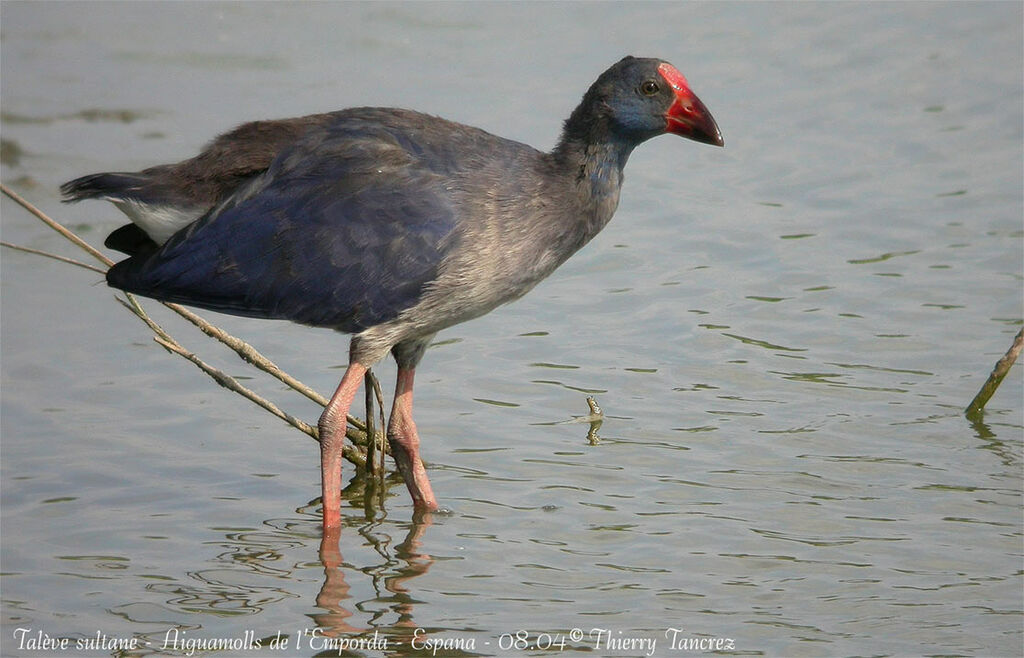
782	333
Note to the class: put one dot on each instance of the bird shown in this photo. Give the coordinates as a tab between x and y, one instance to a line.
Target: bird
386	224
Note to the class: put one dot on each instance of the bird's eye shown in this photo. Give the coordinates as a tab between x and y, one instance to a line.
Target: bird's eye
649	87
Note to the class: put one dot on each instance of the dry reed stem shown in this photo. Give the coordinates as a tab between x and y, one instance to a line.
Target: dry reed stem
63	259
376	449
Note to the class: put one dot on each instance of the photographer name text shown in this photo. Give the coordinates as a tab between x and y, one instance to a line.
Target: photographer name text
671	640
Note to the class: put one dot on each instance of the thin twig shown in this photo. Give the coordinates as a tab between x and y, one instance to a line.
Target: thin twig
248	353
222	378
227	381
373	499
232	384
382	445
63	259
376	439
977	405
252	356
373	458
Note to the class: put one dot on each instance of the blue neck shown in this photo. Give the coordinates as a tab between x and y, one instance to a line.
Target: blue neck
595	164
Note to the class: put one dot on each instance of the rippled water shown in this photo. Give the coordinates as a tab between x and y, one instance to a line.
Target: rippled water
782	334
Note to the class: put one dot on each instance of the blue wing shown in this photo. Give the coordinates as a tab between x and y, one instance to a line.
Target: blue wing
344	231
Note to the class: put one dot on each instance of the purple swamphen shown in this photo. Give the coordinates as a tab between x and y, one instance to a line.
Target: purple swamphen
386	224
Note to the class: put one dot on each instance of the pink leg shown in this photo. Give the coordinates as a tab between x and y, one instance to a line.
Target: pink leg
405	444
332	438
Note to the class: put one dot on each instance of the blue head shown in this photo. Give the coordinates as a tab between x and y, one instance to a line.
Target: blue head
639	98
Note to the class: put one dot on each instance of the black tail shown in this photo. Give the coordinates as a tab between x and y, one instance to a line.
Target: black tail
99	186
122	274
131	240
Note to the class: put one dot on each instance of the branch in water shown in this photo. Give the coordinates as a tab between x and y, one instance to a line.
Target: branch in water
977	405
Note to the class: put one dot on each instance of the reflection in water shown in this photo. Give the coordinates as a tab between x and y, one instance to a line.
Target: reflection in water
335	589
398	566
1007	453
407	563
239	582
250	576
258	571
